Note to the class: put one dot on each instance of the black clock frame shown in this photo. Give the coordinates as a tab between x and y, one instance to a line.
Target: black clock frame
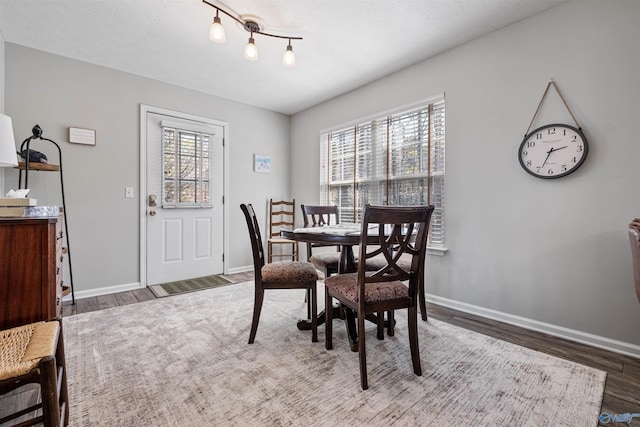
570	171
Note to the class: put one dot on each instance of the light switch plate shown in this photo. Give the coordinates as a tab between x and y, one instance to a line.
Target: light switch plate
128	192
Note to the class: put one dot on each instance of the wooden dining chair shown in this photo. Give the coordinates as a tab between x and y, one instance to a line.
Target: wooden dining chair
282	214
318	216
634	239
405	230
279	275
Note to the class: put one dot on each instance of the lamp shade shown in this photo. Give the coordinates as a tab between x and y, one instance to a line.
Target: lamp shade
251	51
8	155
216	32
289	58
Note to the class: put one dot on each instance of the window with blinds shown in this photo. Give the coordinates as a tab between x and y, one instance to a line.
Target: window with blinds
185	162
395	160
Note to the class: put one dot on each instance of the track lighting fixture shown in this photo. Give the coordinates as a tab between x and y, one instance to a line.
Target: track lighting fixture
217	35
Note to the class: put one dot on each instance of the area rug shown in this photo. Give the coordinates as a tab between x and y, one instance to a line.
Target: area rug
189	285
185	361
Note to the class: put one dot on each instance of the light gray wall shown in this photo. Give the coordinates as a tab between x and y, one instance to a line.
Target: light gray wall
1	73
551	251
2	192
57	92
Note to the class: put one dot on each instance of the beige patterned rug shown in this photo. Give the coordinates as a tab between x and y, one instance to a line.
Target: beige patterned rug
184	361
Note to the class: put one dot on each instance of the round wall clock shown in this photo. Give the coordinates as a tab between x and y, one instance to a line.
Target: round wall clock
553	151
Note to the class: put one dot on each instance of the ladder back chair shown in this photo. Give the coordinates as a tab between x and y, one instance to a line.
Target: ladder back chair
405	230
281	215
279	275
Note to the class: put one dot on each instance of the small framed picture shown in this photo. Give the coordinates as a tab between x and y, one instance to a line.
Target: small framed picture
82	136
261	164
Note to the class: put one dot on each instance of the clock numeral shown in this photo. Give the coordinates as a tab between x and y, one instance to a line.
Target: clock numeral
579	149
564	168
525	153
551	131
574	138
539	135
550	172
531	144
528	163
574	160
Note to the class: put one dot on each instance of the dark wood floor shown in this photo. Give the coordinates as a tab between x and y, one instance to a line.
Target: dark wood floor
622	389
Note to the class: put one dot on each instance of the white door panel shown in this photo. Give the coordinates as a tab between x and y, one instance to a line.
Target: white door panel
183	242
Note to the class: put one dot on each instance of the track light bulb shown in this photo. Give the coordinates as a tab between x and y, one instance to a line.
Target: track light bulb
251	51
216	33
289	58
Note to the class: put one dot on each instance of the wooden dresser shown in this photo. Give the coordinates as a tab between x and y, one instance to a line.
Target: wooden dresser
30	270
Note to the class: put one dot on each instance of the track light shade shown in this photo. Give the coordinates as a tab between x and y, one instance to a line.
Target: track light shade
251	51
216	32
289	58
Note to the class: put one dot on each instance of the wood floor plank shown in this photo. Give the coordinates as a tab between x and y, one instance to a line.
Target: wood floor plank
106	301
125	298
86	305
143	294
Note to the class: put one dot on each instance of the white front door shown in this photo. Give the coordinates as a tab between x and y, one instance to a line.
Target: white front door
184	223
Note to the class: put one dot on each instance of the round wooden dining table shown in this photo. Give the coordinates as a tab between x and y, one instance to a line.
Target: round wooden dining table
345	235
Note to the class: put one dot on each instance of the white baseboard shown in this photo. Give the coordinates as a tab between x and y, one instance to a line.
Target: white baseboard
242	269
104	291
604	343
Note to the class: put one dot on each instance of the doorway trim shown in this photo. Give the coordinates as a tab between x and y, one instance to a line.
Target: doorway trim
144	109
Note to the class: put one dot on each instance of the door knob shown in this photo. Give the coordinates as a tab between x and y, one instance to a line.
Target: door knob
152	213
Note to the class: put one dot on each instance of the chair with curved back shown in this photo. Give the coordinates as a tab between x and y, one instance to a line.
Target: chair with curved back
399	231
634	239
318	216
279	275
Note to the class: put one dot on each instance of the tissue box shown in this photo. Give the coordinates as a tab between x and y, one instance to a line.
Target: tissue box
17	201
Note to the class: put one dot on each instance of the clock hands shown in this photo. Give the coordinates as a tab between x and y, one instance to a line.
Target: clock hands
549	154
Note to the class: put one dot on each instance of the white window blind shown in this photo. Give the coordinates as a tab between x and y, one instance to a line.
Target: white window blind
395	160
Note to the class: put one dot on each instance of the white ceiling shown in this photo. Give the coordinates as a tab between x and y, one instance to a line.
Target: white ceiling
347	43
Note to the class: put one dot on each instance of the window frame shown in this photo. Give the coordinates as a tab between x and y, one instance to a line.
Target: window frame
198	157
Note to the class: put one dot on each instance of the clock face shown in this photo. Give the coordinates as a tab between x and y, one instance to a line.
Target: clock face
553	151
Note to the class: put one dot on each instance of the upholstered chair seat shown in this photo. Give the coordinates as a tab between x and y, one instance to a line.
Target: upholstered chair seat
345	286
291	271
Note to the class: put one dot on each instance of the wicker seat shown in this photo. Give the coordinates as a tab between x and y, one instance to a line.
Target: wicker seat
34	353
279	275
